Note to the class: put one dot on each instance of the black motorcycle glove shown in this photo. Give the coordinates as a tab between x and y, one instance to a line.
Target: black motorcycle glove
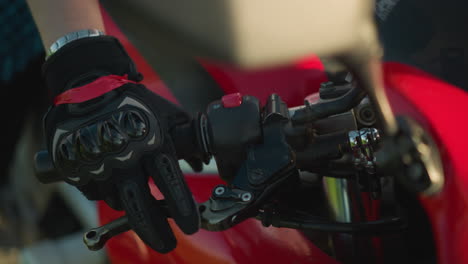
106	134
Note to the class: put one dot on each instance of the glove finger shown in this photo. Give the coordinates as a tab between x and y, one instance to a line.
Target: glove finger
113	200
170	181
146	217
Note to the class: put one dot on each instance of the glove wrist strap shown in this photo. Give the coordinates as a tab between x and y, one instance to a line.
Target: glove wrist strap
91	90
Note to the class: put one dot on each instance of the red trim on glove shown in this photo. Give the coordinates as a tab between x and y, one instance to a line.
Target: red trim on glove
91	90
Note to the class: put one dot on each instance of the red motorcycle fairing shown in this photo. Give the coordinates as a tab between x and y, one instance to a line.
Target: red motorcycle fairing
441	109
292	82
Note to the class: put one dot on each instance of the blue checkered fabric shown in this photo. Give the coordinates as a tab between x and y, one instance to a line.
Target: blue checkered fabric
19	39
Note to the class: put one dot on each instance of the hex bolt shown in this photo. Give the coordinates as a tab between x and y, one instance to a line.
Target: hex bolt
246	197
219	190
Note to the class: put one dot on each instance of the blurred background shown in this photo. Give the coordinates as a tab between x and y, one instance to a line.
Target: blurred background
44	223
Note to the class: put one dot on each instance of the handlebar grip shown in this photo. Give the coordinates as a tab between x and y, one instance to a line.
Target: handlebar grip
185	141
44	168
190	140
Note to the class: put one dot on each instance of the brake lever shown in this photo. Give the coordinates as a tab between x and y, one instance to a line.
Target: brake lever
96	238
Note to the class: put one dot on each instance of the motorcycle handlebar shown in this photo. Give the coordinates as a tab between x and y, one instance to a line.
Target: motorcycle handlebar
226	130
187	145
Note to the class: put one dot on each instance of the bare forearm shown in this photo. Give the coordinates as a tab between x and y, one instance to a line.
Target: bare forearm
55	18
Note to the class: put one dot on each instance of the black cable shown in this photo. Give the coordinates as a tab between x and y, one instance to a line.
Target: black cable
342	104
386	225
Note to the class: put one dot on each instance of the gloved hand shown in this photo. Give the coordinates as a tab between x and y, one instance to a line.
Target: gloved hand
106	134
